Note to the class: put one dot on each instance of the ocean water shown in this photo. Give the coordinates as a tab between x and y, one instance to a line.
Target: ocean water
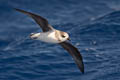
94	28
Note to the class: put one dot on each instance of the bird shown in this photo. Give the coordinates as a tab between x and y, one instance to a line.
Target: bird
52	35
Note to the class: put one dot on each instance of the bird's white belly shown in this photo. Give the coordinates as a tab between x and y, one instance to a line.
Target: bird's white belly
48	37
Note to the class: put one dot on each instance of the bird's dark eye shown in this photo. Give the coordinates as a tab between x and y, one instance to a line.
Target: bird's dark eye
63	36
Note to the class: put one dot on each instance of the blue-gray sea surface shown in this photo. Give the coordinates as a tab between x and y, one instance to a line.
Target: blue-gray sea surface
94	28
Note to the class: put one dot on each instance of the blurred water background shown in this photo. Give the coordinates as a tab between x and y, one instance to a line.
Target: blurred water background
94	28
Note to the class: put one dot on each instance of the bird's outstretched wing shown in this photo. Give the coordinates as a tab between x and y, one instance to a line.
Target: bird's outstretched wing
75	54
39	20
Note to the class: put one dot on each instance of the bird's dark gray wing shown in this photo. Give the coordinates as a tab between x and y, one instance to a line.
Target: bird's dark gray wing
39	20
75	54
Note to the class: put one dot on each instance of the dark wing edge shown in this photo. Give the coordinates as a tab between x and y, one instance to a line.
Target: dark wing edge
75	54
43	23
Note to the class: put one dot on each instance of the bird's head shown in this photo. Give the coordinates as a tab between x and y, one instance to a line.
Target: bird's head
64	36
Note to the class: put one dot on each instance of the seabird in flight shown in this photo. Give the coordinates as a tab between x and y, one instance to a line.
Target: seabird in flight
51	35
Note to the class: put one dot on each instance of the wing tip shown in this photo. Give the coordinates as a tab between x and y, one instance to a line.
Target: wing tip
17	9
82	69
80	65
22	11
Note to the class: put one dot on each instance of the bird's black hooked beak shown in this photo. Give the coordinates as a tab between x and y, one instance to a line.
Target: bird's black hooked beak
68	39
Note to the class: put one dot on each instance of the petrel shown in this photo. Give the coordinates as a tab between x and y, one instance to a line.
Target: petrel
51	35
